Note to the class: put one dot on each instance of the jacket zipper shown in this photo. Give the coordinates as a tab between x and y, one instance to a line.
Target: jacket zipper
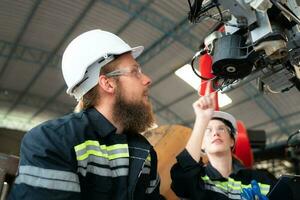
132	193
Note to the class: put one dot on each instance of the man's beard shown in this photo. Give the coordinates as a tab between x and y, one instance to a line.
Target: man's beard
135	116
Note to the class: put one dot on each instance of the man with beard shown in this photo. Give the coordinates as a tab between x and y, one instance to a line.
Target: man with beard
97	152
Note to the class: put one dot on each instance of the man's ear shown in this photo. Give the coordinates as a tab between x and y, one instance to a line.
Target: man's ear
106	84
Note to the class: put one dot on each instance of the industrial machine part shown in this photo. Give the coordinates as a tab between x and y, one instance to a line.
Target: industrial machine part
259	37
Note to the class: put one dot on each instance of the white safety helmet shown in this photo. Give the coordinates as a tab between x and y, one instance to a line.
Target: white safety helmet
228	117
86	54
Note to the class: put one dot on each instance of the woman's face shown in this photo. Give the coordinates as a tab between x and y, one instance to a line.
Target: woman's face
217	138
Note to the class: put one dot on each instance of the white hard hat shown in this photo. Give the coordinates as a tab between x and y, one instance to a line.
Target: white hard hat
86	54
228	117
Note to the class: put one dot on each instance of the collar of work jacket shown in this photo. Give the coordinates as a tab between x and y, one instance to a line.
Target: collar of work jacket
139	147
214	174
100	124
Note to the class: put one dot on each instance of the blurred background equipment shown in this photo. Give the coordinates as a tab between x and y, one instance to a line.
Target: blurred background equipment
252	40
168	141
260	40
34	34
8	171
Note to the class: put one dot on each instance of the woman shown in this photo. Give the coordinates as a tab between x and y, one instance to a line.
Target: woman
223	177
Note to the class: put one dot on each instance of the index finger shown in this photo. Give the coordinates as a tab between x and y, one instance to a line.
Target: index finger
214	99
207	89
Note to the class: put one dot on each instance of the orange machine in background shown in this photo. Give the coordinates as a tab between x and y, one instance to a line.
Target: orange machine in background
168	141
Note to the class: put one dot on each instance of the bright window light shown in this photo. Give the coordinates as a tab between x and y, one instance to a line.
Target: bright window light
224	100
186	73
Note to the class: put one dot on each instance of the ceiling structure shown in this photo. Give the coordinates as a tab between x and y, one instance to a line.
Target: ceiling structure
34	34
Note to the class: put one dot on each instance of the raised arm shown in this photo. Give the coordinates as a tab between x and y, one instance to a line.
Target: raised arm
203	108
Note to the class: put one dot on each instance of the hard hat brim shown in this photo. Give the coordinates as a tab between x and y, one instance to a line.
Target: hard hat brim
226	116
135	52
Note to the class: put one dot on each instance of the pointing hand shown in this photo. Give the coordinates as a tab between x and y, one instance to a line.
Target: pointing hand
205	105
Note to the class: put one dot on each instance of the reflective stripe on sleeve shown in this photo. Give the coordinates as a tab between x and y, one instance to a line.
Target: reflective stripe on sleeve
103	161
148	158
48	178
218	190
91	147
153	184
231	188
101	171
148	161
146	170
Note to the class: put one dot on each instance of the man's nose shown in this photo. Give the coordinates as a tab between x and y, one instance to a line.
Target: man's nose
146	80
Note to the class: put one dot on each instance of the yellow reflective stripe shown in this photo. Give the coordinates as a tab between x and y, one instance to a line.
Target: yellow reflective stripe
221	185
239	187
235	185
96	143
149	158
114	147
87	153
86	143
99	154
119	155
264	188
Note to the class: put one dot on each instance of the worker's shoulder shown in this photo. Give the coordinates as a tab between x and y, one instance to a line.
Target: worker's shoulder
260	175
62	126
72	120
264	174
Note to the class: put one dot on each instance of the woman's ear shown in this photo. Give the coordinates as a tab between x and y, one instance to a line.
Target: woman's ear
203	148
107	84
232	143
